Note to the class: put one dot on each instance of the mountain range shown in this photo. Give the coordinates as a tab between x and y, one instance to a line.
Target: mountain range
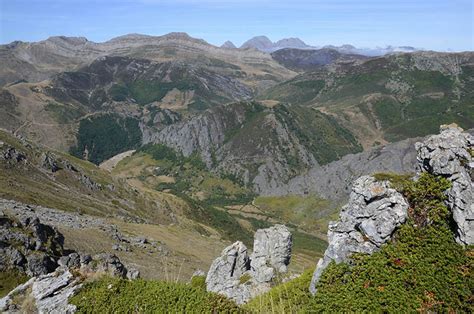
263	43
181	147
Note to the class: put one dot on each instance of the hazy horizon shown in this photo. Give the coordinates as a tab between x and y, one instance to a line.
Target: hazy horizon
430	25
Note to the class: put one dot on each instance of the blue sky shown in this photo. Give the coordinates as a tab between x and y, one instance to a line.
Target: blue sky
429	24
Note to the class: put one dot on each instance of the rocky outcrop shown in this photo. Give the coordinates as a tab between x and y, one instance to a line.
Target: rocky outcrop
450	154
49	293
239	276
29	246
226	270
373	213
271	253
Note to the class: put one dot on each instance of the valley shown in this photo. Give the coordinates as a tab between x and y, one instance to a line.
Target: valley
164	150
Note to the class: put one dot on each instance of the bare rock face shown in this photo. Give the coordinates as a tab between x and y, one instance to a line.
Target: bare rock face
449	154
271	253
369	219
225	272
49	292
241	277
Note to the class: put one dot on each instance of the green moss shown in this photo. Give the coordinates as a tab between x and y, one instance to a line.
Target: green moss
110	295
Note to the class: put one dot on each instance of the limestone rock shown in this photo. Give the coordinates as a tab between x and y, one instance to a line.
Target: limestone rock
449	154
271	252
369	219
241	277
28	245
225	272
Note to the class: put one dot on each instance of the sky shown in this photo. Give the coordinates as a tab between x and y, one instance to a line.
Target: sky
445	25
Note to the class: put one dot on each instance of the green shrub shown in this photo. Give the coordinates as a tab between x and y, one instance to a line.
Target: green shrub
289	297
422	269
111	295
198	282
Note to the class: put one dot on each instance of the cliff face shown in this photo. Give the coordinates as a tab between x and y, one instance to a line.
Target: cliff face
264	147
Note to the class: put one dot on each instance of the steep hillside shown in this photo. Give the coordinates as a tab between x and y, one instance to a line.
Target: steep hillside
162	212
122	79
389	98
259	145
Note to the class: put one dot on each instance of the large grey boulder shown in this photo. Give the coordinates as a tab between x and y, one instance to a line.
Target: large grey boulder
241	276
449	154
225	272
369	219
271	253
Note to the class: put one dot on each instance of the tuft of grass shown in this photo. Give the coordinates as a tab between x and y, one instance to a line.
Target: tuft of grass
198	282
9	280
289	297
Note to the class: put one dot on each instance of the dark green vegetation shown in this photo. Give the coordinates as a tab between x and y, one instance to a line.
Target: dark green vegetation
321	134
422	269
395	95
102	137
9	280
109	295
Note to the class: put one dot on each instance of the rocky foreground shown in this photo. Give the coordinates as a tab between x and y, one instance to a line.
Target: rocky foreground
375	210
35	249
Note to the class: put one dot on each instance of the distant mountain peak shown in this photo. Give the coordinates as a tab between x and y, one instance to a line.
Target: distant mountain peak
228	44
291	42
263	43
258	42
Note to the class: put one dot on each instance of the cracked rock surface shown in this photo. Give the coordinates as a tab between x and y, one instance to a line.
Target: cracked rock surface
369	219
449	154
241	276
